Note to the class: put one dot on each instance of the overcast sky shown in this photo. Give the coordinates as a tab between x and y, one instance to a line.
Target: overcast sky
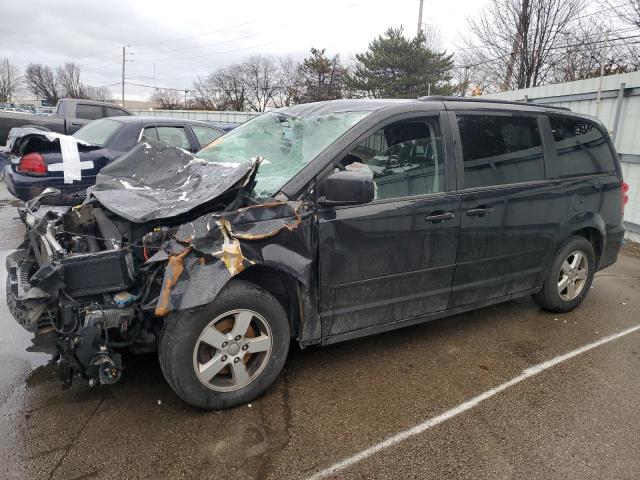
189	38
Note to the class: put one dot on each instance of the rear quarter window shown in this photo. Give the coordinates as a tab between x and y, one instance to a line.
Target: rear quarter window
582	148
88	112
114	112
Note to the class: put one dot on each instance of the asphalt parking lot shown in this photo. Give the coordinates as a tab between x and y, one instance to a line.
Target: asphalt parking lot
578	418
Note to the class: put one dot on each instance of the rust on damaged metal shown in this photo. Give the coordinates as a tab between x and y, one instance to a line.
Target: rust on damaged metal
172	273
220	235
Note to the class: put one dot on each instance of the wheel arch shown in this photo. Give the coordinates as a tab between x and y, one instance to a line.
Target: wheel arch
596	239
587	225
282	285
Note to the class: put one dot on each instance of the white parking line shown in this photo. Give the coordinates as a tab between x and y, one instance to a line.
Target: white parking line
463	407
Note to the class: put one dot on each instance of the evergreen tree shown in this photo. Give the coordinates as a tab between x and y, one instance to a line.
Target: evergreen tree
322	77
395	67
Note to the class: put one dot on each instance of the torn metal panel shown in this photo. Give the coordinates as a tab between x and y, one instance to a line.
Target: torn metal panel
172	273
156	181
258	222
276	235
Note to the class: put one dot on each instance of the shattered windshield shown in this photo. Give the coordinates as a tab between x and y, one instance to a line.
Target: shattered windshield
285	143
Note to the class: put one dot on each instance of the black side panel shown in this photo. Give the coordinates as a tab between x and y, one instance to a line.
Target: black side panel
383	262
505	250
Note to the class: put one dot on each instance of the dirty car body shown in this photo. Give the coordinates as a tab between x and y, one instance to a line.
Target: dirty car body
340	219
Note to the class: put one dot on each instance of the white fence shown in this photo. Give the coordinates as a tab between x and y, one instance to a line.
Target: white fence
204	115
619	110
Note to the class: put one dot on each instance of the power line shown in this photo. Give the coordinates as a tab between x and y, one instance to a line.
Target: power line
207	45
193	36
80	58
485	45
214	53
557	47
99	61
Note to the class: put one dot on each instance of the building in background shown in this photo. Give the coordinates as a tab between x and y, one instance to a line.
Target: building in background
615	100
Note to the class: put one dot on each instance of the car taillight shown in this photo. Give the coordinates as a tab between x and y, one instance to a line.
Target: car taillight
33	164
625	196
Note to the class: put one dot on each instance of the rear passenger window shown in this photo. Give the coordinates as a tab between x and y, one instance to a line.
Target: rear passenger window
114	112
404	158
88	112
174	136
499	150
149	133
582	148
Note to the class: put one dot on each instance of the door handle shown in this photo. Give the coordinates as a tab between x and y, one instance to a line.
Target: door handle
439	217
479	212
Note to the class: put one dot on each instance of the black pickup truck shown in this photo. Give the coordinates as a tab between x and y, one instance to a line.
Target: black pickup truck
70	115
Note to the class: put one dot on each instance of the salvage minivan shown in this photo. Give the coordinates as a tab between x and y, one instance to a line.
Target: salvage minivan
317	223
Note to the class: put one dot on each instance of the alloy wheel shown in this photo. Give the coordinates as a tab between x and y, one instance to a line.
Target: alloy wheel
232	350
573	276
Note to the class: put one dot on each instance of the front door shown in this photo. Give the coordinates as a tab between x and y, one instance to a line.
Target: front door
508	222
391	259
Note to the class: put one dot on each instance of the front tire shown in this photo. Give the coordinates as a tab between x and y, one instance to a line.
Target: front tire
228	352
569	279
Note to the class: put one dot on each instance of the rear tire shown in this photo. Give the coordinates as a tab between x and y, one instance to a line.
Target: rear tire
228	352
569	279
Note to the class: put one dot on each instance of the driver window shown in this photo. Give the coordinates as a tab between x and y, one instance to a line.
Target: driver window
405	159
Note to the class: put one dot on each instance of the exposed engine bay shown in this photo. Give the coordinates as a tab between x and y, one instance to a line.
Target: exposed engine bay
106	273
83	278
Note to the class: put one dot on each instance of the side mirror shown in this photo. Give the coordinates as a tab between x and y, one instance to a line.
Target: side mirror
348	188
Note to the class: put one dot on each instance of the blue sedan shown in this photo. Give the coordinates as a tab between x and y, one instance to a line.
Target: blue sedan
37	163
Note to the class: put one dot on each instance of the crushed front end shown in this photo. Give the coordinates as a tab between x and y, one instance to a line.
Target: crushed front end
104	275
80	276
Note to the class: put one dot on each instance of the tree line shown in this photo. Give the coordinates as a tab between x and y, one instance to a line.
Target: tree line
47	83
392	67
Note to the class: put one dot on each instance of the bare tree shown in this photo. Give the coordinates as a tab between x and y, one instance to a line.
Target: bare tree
231	86
205	95
68	78
584	53
10	80
167	99
102	94
41	81
515	42
261	77
289	89
627	12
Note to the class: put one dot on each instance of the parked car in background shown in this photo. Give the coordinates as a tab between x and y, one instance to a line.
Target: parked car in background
70	115
36	163
318	223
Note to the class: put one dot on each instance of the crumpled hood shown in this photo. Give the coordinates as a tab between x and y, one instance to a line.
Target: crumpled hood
156	181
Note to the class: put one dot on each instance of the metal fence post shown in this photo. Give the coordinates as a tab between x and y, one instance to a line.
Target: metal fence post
616	116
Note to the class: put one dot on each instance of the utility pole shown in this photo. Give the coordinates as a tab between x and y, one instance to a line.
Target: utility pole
420	17
124	53
602	61
185	99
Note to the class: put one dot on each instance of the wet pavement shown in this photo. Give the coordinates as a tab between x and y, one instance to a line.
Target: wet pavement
579	419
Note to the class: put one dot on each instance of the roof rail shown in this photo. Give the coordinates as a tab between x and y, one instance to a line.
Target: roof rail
443	98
